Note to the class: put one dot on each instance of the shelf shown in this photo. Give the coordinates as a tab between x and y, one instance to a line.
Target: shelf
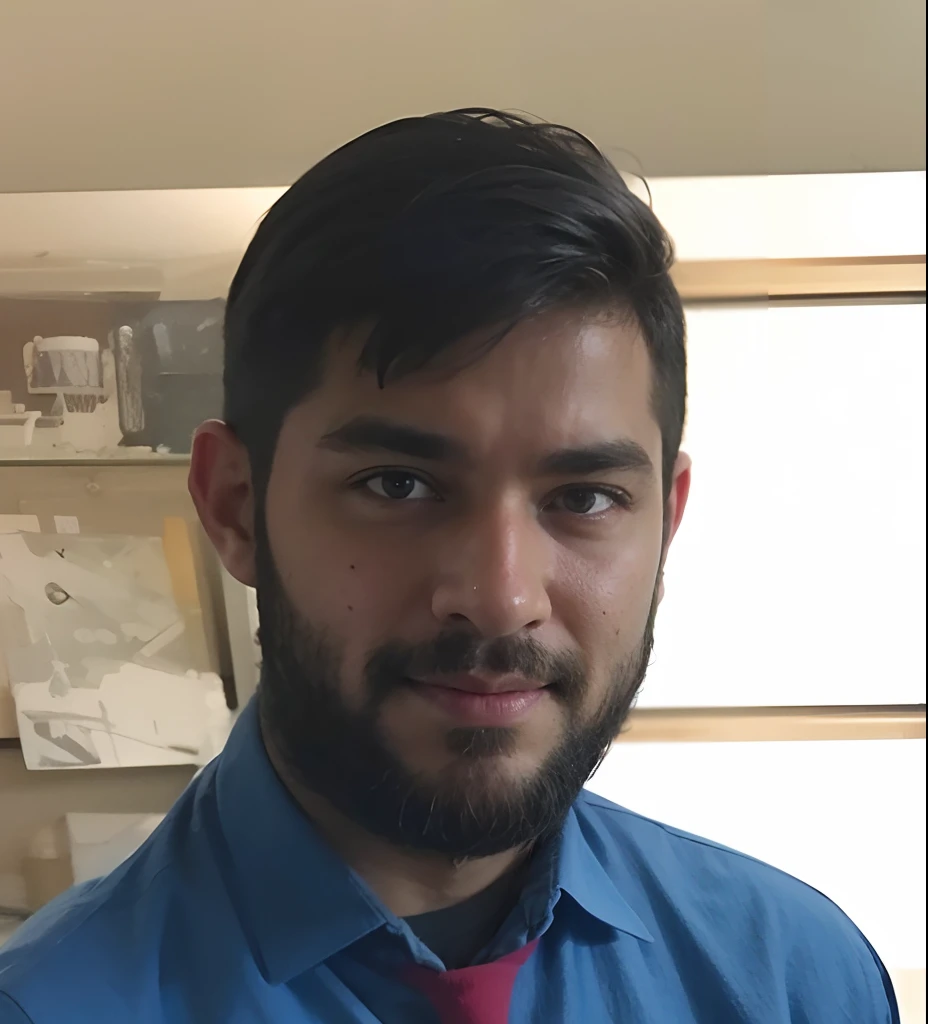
101	461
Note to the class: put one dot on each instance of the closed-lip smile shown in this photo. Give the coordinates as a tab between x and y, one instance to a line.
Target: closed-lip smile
474	699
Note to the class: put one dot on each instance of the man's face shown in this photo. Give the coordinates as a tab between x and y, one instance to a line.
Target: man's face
457	577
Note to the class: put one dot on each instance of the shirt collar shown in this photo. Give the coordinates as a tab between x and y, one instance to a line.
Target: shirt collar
584	877
299	902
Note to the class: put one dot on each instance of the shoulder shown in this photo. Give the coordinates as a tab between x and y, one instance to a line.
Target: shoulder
77	946
735	906
97	949
695	870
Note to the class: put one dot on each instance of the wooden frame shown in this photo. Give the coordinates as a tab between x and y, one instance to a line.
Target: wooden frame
726	725
845	277
760	725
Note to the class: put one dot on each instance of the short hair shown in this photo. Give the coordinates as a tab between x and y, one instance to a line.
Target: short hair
431	228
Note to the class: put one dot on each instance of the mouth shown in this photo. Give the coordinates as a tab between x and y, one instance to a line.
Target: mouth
477	700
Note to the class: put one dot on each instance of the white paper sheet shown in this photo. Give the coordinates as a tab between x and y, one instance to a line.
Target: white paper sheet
104	678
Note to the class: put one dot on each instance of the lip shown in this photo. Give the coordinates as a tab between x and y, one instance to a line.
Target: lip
482	701
472	682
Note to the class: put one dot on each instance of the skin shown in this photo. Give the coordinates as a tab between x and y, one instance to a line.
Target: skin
490	540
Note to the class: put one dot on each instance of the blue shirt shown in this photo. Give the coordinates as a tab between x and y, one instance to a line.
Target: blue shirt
236	912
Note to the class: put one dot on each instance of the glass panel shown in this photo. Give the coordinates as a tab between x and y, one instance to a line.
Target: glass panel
798	576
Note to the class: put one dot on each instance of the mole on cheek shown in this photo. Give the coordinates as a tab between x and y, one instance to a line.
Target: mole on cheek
350	608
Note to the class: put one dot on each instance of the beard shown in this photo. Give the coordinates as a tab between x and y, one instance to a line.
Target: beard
468	809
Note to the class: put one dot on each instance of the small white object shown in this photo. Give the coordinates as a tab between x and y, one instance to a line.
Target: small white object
66	344
17	428
67	524
101	842
47	844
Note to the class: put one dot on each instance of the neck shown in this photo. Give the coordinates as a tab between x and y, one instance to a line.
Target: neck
407	881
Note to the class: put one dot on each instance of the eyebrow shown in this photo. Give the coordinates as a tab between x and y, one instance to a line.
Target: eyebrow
373	434
623	455
377	435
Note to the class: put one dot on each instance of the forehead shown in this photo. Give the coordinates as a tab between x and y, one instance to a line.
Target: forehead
557	379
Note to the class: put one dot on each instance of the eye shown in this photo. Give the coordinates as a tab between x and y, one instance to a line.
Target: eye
398	485
587	501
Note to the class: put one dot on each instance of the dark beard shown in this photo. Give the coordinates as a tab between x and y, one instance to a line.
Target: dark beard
340	754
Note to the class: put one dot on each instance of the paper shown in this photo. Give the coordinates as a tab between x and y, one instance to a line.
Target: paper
19	524
104	677
10	624
67	524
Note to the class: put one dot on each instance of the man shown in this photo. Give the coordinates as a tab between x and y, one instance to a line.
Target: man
455	391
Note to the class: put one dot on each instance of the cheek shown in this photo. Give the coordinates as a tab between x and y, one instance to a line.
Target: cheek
368	584
605	602
354	583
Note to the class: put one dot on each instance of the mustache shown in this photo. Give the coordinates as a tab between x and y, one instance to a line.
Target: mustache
453	653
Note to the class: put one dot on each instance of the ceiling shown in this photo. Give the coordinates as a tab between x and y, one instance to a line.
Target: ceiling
110	94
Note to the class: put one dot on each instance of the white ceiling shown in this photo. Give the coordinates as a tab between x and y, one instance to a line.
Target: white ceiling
116	94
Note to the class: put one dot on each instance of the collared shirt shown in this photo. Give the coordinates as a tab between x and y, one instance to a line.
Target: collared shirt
236	912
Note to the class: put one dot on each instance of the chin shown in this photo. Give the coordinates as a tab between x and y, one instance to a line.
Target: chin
493	773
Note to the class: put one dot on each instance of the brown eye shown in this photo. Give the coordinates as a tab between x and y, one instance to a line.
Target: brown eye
396	485
585	501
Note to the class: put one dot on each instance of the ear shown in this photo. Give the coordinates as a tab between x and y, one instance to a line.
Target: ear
673	510
221	487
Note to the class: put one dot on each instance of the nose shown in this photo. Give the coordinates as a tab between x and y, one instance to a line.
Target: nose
494	573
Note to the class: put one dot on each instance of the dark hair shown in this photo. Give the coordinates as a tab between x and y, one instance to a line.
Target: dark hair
431	228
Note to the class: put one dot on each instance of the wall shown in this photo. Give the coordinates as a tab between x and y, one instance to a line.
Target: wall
175	95
31	800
